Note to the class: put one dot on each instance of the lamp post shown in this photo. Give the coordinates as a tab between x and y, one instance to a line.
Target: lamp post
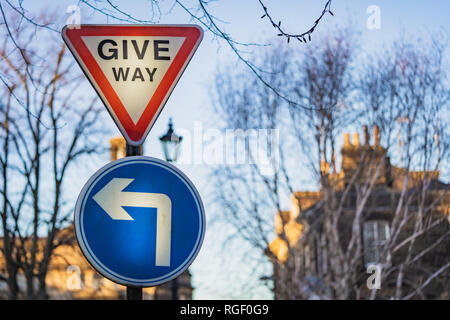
170	143
133	293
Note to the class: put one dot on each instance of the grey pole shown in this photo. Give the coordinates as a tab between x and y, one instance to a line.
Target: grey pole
133	150
134	293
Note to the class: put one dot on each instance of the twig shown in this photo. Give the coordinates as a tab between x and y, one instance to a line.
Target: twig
231	43
302	37
427	282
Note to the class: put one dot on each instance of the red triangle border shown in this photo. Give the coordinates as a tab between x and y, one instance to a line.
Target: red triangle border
134	134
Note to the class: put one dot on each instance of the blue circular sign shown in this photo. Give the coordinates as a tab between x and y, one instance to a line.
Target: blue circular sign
139	221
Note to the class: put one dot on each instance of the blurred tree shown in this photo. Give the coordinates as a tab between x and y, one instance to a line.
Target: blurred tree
402	93
48	124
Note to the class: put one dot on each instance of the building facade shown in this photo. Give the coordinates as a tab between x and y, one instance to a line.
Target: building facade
300	252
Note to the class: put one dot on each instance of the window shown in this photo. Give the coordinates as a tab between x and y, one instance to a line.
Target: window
375	234
307	258
323	245
321	254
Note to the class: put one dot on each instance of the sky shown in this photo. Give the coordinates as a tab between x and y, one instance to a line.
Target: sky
190	104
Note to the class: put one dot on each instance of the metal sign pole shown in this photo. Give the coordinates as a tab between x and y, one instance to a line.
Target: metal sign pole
133	150
134	293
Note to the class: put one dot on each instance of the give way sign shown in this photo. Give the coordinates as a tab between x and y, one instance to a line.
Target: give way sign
133	68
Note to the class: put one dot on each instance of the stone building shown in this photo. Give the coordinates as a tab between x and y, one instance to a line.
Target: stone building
70	276
291	226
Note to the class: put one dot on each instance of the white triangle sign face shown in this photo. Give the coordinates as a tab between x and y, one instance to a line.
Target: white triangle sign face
133	68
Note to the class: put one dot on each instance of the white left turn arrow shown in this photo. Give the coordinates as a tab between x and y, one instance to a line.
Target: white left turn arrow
111	198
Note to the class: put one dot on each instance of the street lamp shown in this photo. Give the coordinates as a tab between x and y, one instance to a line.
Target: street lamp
171	146
170	143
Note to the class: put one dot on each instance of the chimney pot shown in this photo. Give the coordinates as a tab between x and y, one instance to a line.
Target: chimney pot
356	139
346	140
376	135
366	135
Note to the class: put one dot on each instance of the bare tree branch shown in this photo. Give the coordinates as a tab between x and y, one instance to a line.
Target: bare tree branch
302	37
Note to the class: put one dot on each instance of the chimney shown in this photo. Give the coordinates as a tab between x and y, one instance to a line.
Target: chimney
376	135
356	139
366	135
346	140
